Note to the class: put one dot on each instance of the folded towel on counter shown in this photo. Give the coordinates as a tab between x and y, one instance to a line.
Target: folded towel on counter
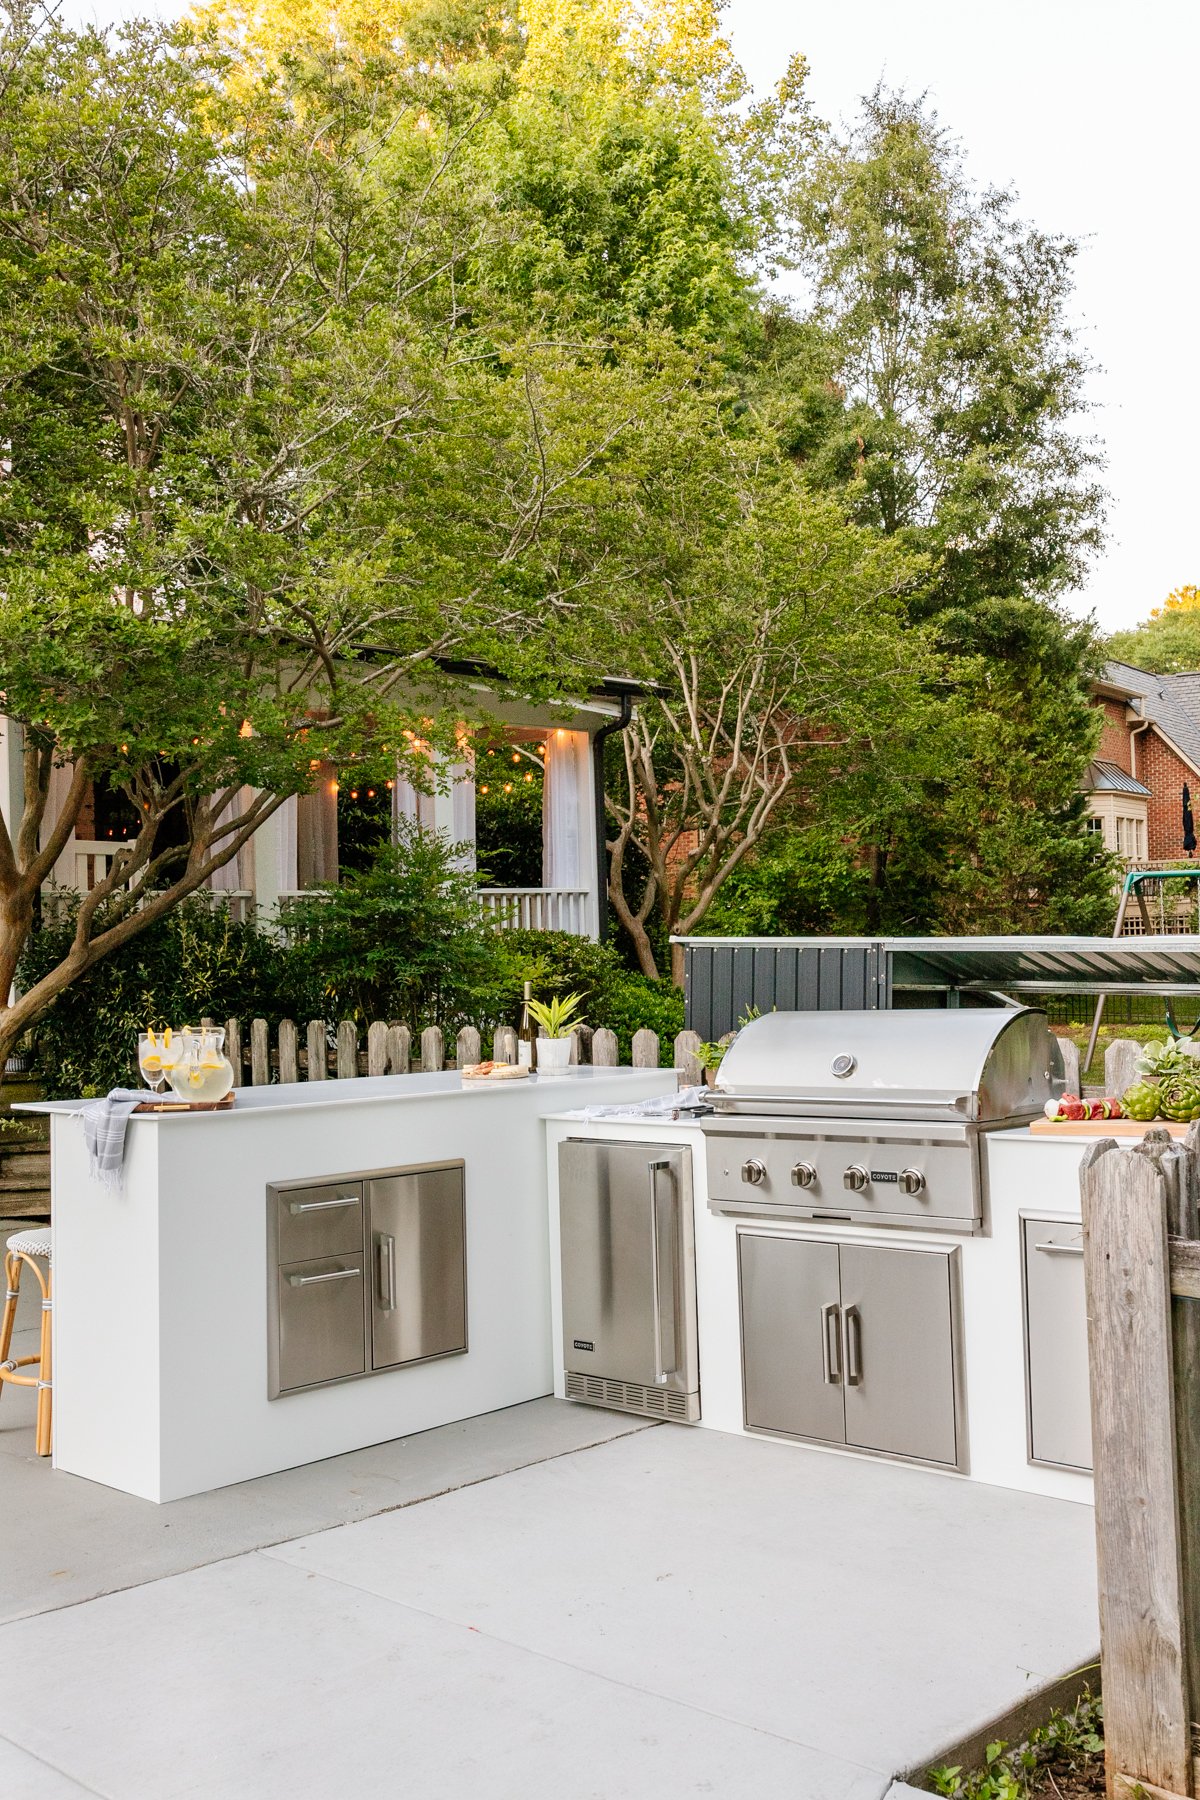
104	1123
663	1106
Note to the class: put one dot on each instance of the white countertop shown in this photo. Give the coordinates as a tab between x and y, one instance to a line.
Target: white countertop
297	1096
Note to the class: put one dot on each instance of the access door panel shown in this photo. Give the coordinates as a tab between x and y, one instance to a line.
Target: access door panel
898	1337
791	1336
1056	1348
418	1291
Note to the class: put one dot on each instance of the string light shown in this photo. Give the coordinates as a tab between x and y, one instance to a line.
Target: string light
483	789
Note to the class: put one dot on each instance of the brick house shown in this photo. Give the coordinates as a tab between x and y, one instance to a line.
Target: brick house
1149	749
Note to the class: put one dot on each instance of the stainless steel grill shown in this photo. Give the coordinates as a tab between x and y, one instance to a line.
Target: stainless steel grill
873	1117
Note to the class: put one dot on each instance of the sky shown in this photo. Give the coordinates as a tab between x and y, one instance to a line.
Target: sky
1086	108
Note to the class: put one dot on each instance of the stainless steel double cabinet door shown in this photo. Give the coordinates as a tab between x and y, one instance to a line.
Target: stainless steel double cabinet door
852	1344
368	1274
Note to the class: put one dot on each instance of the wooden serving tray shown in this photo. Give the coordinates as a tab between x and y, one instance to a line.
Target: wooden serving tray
1102	1128
185	1106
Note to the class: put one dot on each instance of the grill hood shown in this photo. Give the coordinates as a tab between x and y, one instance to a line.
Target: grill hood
982	1065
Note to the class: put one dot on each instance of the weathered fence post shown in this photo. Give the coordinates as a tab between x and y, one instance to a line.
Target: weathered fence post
504	1044
645	1048
316	1050
1072	1073
1120	1065
260	1053
377	1033
233	1048
399	1049
466	1049
604	1048
347	1050
433	1049
583	1042
289	1051
1139	1549
686	1060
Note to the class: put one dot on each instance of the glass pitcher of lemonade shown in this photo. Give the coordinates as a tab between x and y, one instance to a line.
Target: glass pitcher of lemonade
203	1074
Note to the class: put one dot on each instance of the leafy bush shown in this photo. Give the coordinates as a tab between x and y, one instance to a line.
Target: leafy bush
797	883
613	996
194	962
405	939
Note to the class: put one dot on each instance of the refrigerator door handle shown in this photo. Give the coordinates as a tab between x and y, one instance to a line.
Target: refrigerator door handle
830	1343
853	1322
662	1369
385	1254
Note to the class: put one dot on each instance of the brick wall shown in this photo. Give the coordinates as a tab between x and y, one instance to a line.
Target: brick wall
1159	769
1114	735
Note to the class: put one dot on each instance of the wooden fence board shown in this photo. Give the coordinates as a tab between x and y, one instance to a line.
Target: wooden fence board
645	1049
1139	1554
347	1050
466	1048
399	1049
317	1046
433	1049
504	1045
604	1049
377	1033
260	1053
289	1051
233	1048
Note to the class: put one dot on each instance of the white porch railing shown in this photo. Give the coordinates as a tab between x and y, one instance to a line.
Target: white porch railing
538	909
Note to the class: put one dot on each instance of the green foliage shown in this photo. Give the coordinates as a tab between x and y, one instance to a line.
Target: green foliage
636	1002
1070	1744
801	881
1168	642
405	939
195	962
613	996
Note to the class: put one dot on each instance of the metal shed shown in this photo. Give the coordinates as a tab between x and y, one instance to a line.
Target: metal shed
727	977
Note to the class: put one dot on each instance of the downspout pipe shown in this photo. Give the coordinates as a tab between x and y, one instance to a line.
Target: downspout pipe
621	723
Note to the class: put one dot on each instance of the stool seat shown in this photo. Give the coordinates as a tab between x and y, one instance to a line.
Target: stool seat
32	1243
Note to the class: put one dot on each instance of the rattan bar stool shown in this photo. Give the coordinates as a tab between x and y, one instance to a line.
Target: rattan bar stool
34	1248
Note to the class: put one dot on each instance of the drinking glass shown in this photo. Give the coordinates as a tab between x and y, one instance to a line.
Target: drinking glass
150	1064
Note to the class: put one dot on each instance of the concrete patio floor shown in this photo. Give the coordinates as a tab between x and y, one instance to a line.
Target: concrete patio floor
546	1602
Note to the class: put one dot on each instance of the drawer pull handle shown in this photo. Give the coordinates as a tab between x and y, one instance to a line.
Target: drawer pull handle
1053	1249
333	1275
296	1207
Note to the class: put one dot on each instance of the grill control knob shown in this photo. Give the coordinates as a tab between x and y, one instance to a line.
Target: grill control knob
754	1172
804	1175
912	1181
855	1178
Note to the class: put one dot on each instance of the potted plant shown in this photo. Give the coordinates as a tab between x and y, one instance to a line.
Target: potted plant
710	1056
558	1019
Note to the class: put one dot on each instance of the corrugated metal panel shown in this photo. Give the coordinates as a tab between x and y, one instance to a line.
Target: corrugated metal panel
724	978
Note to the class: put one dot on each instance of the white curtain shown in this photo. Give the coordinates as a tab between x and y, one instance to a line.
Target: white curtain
568	770
236	874
286	878
409	802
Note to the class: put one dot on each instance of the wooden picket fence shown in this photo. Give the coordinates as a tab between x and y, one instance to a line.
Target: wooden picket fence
343	1052
1141	1238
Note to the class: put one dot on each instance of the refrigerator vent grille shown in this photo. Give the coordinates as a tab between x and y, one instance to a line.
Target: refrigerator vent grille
629	1396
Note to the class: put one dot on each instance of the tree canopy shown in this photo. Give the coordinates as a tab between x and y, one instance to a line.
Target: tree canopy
1168	642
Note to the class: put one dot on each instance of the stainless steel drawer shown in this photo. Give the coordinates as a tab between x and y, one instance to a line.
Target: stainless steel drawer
321	1335
319	1221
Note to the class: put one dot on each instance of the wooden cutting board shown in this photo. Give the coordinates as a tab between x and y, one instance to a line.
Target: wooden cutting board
1101	1128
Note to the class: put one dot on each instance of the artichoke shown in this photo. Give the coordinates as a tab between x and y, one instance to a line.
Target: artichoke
1179	1099
1141	1101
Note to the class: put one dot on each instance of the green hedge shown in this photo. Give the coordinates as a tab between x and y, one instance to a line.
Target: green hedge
405	941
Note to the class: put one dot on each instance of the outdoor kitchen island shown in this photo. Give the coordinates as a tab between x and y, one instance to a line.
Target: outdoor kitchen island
372	1253
873	1254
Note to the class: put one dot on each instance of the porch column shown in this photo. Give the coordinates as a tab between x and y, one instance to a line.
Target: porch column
273	852
568	819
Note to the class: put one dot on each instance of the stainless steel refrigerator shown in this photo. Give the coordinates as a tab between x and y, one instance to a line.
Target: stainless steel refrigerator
629	1277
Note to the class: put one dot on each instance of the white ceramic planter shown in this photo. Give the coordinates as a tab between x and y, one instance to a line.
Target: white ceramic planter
554	1055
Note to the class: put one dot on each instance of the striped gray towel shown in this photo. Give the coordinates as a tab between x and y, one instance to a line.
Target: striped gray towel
104	1123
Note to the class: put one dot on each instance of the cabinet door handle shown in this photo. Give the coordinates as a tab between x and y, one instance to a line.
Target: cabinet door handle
296	1207
853	1346
1053	1249
831	1343
385	1246
660	1369
333	1275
